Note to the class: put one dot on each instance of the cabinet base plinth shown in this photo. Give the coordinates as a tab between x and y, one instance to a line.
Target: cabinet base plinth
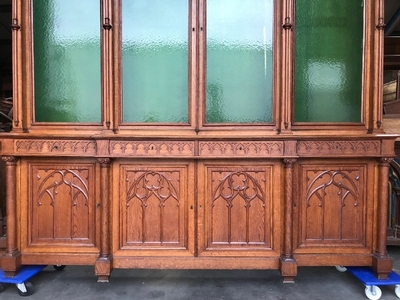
288	269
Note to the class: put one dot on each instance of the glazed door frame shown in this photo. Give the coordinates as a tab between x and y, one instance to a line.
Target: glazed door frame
283	51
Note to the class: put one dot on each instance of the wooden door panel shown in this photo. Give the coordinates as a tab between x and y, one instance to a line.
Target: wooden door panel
61	204
333	206
154	206
238	210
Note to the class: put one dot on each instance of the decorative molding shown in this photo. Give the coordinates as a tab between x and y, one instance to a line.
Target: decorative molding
55	147
338	148
152	148
250	149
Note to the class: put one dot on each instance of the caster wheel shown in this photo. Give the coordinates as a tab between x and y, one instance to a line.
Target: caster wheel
341	268
1	288
25	289
373	292
59	267
397	291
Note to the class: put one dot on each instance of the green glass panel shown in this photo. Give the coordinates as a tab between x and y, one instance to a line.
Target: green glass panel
67	60
328	70
239	61
155	61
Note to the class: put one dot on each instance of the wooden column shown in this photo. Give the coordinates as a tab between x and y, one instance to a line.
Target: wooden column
11	259
103	262
287	66
288	266
381	262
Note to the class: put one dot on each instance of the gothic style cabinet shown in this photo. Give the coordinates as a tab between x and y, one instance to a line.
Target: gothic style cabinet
197	134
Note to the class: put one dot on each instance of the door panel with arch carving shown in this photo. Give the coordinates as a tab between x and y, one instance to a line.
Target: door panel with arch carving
154	207
335	205
238	209
60	207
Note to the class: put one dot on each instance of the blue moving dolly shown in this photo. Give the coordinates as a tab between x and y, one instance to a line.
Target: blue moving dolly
25	288
367	277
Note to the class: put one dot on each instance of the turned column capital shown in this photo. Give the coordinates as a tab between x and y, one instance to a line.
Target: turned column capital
289	162
104	162
10	160
384	161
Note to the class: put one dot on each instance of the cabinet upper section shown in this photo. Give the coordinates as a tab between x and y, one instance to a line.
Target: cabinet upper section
197	67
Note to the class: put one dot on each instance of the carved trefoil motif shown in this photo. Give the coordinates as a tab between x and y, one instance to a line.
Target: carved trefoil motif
62	204
238	209
153	212
333	206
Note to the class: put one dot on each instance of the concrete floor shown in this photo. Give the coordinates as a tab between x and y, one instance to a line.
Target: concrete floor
78	282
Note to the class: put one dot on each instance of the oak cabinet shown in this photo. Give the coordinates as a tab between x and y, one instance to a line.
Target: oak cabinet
197	134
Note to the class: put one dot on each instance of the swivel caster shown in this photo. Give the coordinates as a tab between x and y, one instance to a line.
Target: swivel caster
373	292
59	267
341	268
397	291
25	289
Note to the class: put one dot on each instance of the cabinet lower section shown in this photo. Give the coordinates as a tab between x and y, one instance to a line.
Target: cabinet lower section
197	213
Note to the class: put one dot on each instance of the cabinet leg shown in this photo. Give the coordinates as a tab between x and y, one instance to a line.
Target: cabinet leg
10	263
382	265
288	269
103	269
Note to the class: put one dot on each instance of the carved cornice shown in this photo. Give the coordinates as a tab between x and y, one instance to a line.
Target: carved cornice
249	149
75	147
337	148
152	148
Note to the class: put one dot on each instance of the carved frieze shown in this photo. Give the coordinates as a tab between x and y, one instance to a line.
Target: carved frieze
152	148
49	147
236	148
335	148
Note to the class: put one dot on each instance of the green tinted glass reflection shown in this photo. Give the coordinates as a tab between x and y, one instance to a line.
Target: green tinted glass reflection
67	60
329	38
239	61
155	61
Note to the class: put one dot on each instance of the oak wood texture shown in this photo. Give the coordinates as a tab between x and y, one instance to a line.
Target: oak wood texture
204	196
